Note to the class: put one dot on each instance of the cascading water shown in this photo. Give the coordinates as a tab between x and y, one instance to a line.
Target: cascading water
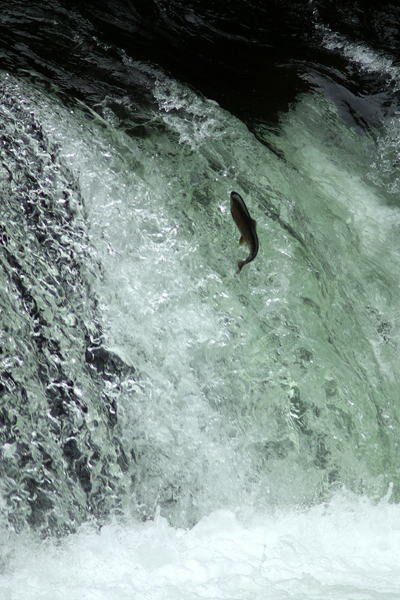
182	430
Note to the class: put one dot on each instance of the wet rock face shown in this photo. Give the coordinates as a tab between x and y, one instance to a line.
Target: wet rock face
52	362
62	454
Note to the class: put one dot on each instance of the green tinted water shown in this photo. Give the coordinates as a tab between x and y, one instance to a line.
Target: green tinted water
275	386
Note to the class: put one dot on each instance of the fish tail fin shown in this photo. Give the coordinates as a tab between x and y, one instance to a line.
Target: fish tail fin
241	264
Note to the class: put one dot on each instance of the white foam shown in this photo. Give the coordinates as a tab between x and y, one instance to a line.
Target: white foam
369	60
345	549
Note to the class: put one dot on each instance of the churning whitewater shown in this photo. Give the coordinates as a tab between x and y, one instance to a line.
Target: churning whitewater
187	432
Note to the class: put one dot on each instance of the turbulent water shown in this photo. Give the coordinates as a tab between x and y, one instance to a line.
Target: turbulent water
169	428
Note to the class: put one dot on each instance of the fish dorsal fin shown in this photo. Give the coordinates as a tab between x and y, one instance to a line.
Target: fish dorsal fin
241	241
254	223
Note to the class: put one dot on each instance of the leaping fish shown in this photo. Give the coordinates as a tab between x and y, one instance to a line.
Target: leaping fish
246	226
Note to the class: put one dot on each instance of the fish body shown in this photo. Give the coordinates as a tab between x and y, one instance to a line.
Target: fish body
246	226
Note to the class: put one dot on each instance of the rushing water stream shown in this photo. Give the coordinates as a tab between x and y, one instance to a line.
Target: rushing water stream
169	428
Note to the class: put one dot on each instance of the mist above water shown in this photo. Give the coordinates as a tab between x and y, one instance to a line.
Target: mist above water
343	549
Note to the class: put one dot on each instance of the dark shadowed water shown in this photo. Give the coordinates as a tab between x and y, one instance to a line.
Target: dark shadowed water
181	430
